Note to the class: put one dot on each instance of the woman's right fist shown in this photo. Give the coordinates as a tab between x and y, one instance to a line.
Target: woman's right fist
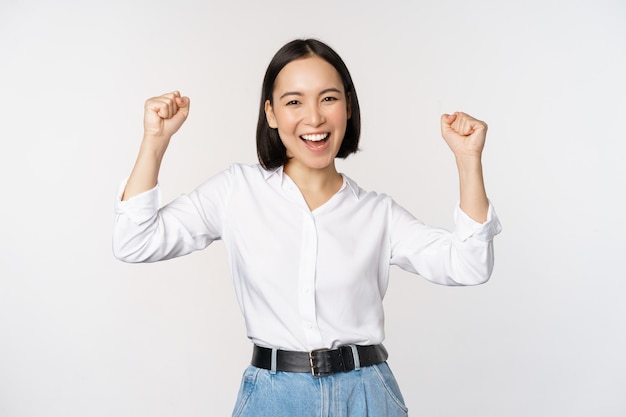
164	115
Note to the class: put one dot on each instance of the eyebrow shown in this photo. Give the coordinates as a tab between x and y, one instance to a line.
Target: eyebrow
299	94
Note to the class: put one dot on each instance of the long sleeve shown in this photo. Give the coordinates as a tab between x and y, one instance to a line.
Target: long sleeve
463	257
143	232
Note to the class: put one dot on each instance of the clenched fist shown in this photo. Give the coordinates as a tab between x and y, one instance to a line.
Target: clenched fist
165	114
464	134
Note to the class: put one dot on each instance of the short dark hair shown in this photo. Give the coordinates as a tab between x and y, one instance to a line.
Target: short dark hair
270	149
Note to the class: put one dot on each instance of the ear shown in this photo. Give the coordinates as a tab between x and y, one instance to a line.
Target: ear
269	115
349	105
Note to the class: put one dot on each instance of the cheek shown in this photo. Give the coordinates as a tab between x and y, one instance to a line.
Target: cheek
286	121
340	118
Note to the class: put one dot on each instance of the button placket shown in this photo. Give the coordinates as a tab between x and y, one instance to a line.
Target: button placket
306	280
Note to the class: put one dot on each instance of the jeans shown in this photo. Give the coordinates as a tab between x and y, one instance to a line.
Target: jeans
370	391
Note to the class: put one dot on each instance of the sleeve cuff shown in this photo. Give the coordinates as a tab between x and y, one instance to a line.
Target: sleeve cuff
466	227
138	208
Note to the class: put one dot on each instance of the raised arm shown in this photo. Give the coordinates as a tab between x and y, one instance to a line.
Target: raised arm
465	136
163	116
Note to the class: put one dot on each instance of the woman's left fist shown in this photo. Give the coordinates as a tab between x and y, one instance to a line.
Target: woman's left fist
464	134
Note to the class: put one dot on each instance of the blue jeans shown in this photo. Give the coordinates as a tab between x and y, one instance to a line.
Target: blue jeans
370	391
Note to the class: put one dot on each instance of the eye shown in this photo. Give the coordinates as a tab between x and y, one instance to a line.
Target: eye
330	98
292	102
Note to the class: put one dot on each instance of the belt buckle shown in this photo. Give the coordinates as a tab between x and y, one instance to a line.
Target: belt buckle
314	363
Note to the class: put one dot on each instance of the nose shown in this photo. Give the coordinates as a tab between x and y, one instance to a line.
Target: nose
315	115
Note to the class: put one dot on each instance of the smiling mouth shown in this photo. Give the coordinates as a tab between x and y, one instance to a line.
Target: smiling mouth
315	139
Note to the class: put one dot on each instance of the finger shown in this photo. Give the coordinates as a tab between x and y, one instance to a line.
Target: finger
166	106
172	95
459	126
173	104
183	104
183	110
158	106
474	122
172	107
446	121
448	118
464	124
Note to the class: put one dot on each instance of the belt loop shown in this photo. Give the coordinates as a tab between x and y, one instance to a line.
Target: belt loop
355	356
273	364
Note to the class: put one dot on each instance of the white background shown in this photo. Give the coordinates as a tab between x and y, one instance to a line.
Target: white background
82	334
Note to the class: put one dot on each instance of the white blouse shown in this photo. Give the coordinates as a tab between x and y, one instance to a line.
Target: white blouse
304	279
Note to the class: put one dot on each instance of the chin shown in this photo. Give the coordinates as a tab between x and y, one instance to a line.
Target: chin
321	164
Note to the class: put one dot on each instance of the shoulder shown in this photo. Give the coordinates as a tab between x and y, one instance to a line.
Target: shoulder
365	196
238	172
251	177
359	191
235	173
249	171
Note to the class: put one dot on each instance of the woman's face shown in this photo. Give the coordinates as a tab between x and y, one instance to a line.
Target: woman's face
310	111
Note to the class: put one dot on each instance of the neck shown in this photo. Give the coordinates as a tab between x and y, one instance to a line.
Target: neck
313	179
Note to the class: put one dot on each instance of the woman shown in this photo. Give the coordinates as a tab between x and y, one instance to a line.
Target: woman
308	249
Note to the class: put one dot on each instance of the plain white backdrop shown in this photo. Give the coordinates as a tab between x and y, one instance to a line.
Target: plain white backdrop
82	334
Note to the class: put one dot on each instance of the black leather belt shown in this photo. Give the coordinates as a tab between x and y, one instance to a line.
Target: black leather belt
322	362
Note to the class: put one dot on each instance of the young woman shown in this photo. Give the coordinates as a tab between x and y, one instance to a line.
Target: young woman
308	249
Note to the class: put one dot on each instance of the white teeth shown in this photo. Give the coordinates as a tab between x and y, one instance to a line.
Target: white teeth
315	138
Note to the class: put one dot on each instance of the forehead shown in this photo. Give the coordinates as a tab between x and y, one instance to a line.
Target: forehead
308	74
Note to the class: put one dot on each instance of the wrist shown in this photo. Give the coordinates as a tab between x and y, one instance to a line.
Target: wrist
154	146
469	163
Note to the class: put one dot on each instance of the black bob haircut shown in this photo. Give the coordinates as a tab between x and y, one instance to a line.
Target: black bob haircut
270	149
